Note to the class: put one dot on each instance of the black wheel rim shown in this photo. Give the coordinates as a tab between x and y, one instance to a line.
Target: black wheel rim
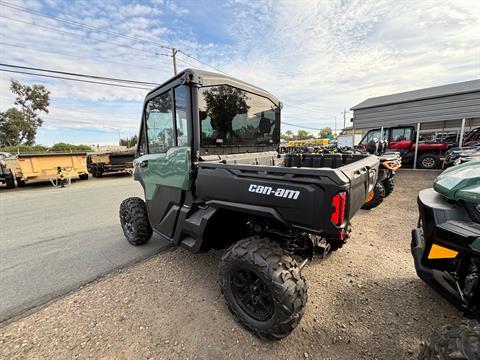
127	223
252	294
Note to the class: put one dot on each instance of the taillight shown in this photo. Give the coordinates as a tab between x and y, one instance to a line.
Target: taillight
339	202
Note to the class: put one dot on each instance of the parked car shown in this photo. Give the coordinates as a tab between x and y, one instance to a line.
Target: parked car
6	175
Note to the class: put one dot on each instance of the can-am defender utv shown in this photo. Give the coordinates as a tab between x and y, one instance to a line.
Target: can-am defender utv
446	244
208	161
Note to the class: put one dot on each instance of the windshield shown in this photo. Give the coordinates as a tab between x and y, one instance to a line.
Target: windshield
231	116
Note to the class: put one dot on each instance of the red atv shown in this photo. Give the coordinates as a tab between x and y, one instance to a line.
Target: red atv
402	140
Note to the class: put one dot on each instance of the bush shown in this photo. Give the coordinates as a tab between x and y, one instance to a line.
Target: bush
40	148
70	147
23	149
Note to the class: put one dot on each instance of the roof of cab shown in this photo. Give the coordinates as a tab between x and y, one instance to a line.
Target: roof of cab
207	78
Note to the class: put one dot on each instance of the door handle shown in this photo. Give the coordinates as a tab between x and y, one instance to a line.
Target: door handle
144	164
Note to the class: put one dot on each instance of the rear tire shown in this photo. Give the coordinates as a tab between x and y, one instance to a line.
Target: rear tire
263	287
134	221
428	161
453	342
375	197
389	186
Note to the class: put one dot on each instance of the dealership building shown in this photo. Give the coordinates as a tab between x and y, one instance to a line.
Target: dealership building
447	109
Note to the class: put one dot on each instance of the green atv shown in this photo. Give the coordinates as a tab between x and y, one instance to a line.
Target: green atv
209	164
446	243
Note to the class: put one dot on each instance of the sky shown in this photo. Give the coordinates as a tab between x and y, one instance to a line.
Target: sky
317	57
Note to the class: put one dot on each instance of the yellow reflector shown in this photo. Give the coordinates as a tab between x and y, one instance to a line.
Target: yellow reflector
440	252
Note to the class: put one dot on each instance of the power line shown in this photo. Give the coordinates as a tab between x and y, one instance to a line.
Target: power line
298	126
79	75
80	35
316	109
90	27
102	61
78	80
85	26
201	62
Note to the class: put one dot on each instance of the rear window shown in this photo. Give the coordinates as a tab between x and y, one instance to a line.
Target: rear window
234	117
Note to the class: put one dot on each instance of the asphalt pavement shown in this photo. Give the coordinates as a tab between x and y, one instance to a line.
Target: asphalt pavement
53	240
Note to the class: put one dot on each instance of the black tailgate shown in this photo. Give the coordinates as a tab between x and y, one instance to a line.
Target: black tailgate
363	176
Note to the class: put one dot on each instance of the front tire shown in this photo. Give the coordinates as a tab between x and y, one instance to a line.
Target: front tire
134	221
453	342
375	197
389	186
83	176
263	287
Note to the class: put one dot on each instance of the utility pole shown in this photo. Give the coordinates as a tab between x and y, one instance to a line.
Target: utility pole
344	118
174	52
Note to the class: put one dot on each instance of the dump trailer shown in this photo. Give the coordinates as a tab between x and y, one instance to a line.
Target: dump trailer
58	167
119	161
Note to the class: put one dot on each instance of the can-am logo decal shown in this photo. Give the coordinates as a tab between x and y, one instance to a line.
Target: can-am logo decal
278	192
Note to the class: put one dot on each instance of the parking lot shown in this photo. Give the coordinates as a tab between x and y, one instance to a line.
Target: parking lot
365	301
55	239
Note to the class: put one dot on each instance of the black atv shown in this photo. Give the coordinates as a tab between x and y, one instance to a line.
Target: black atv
457	156
446	244
390	162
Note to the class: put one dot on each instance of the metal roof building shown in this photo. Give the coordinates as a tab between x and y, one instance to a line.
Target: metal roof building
447	108
440	107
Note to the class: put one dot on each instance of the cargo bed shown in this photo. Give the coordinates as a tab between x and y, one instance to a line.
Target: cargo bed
297	191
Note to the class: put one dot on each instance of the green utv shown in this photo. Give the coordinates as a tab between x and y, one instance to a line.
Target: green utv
446	243
209	164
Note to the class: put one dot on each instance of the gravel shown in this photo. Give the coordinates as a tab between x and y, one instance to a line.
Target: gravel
365	302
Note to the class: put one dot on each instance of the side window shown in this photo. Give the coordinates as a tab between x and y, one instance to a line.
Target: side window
401	134
181	115
373	135
159	122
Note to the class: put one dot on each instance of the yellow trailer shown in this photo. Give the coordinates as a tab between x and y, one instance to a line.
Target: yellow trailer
57	167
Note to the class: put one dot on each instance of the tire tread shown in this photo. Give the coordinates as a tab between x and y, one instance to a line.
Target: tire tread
288	283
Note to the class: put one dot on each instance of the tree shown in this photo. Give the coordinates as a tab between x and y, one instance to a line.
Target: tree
18	125
223	103
325	132
303	135
289	135
129	142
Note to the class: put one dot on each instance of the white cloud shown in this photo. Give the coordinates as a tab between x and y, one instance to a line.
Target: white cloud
318	57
